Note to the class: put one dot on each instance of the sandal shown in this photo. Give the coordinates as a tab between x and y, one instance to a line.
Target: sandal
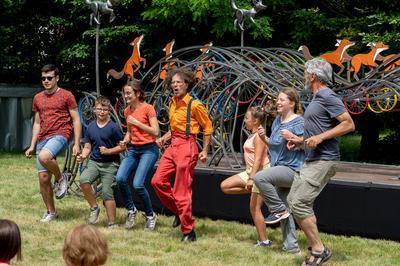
318	258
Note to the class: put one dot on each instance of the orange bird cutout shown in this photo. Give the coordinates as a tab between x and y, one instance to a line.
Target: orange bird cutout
367	59
133	61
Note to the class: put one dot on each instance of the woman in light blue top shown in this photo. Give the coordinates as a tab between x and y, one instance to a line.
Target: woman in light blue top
274	183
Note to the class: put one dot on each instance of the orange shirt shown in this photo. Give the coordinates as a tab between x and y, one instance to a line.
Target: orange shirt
198	116
143	115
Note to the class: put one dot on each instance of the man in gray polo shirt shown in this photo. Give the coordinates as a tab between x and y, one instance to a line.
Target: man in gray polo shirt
325	119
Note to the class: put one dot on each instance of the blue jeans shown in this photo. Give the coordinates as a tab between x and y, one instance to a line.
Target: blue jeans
141	160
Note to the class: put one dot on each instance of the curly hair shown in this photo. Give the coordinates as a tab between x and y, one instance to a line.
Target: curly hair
84	245
186	74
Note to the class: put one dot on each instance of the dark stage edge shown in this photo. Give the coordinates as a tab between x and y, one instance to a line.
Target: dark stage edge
361	199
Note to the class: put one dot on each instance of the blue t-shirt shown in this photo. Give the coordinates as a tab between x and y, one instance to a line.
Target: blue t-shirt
319	117
278	152
107	136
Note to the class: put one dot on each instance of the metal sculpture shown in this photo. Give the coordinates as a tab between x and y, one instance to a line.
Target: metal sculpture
236	78
241	14
98	8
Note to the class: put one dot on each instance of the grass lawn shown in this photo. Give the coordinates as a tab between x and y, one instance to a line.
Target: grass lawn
219	242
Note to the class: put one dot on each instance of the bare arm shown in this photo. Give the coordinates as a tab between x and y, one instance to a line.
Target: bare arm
35	134
164	139
87	148
111	151
262	135
345	126
77	131
292	139
204	152
126	139
153	129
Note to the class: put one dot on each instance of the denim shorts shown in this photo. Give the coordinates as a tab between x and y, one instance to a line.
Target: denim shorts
54	145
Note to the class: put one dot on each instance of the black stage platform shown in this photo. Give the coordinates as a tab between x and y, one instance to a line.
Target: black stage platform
361	199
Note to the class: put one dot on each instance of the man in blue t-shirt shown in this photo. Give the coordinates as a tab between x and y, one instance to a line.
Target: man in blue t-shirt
325	119
101	142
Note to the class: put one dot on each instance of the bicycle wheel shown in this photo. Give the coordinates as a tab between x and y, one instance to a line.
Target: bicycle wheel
85	109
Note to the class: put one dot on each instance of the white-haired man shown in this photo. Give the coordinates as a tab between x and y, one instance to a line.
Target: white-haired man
325	119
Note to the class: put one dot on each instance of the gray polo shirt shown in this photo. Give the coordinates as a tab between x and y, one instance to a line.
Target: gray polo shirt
319	117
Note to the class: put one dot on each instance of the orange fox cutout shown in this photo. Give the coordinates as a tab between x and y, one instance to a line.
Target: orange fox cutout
134	60
367	59
388	61
199	70
168	54
339	56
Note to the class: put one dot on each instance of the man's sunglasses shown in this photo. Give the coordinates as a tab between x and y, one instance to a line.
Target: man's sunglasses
49	78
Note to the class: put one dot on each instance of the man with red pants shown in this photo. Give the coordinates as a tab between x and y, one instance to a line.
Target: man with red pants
186	116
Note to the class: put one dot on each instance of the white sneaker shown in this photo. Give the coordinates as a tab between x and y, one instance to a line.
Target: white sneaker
94	215
130	219
61	186
150	222
48	217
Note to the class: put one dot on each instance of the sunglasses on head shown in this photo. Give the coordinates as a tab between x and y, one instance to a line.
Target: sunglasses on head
49	78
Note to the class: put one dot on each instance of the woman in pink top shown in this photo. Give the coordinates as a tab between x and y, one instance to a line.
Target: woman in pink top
256	158
140	139
10	242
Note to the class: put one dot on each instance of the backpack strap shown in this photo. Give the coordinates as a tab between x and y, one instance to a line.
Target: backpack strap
187	131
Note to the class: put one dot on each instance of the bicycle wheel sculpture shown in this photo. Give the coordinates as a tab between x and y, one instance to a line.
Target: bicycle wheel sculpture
230	80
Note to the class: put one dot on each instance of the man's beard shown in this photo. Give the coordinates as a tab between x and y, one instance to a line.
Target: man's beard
307	84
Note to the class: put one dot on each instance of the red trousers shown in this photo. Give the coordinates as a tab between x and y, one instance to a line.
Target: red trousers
179	161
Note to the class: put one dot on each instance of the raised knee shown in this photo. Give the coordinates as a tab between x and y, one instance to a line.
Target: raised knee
44	157
223	186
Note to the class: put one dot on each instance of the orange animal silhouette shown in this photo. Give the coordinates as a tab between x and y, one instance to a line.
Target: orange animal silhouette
168	54
199	70
389	61
367	59
134	60
339	56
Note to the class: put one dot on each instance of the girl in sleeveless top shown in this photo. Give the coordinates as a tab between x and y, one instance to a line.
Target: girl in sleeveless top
256	158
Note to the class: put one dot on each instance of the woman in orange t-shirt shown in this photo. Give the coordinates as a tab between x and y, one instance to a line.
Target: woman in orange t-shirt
142	155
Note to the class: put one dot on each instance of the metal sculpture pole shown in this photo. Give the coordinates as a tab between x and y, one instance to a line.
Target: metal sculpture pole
98	8
241	14
97	59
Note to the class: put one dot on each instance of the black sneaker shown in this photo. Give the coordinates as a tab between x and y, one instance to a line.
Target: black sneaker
190	237
176	221
273	218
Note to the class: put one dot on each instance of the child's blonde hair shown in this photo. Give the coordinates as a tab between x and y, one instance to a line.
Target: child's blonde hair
84	245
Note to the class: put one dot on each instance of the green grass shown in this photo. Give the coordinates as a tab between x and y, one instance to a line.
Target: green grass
219	242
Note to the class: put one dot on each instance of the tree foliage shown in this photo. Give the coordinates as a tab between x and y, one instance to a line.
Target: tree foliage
37	32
